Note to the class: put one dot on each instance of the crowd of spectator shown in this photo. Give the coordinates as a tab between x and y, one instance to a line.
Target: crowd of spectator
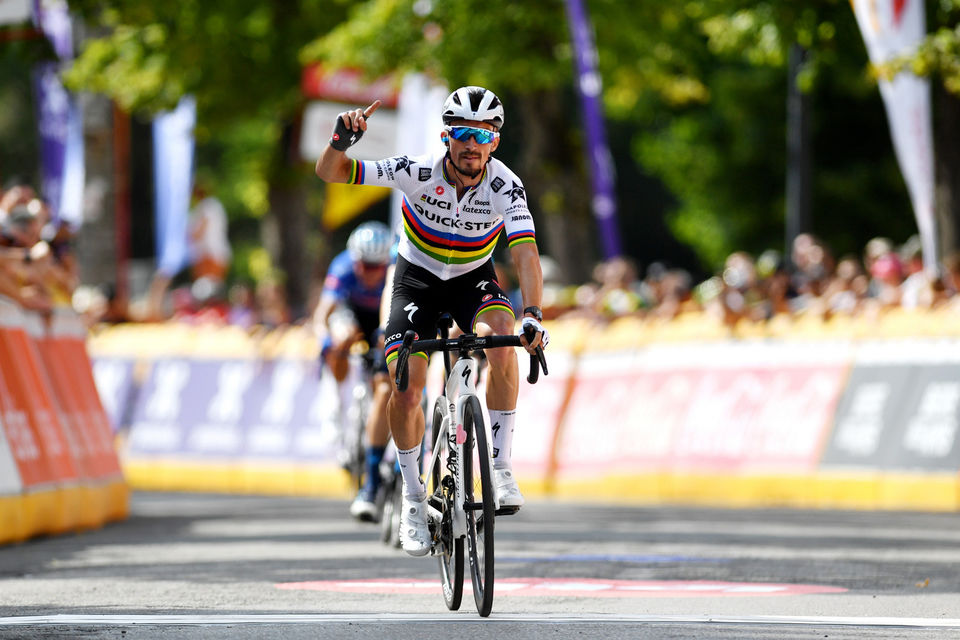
38	270
810	281
37	266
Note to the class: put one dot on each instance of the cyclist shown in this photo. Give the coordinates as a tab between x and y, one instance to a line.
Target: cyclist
349	311
455	206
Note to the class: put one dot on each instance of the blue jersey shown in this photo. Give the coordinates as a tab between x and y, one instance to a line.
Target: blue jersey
343	285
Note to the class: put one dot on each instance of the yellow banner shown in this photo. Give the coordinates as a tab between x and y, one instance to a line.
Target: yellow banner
346	201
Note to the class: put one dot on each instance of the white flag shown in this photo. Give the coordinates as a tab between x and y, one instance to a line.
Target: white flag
893	28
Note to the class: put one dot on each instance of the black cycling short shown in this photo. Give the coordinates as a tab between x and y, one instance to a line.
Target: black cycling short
419	298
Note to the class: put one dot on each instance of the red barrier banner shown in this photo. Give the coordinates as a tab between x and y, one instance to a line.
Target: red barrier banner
629	415
63	349
28	393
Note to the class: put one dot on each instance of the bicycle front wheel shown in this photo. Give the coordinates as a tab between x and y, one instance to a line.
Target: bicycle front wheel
441	496
478	483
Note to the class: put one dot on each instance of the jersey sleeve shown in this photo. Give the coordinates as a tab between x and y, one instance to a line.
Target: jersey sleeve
336	285
401	172
511	198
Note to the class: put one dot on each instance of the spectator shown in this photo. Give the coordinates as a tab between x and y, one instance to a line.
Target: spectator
208	246
617	295
272	304
887	276
847	290
775	284
241	307
673	293
919	288
813	265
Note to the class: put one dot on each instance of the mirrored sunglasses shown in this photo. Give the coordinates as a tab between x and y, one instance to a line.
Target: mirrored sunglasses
482	136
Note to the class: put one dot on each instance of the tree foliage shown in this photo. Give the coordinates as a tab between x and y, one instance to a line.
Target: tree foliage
698	86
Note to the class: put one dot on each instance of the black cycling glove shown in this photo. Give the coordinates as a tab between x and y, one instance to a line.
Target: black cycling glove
344	138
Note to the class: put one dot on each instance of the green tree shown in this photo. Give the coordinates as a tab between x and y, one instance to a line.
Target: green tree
701	86
240	60
519	49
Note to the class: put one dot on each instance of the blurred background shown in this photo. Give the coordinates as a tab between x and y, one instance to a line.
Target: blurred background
712	154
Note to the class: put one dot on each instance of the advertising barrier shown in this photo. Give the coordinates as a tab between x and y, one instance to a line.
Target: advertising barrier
853	415
58	468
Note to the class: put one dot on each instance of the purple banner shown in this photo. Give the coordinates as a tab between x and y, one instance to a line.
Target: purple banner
589	85
53	122
58	118
233	409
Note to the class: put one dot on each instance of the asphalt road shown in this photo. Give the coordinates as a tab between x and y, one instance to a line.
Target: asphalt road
217	567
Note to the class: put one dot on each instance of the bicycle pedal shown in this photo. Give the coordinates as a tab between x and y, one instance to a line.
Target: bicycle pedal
507	511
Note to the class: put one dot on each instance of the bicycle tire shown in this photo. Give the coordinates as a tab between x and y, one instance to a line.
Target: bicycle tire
390	518
450	550
357	415
478	480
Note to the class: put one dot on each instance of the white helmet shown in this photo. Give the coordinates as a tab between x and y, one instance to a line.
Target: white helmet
370	242
473	103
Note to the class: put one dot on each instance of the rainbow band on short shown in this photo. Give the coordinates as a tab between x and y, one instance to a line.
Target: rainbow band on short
392	349
491	305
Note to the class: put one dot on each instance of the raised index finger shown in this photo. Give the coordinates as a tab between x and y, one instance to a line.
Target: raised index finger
373	107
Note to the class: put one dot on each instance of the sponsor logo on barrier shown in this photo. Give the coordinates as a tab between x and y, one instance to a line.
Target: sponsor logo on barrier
286	380
232	382
897	417
932	429
170	378
741	419
858	432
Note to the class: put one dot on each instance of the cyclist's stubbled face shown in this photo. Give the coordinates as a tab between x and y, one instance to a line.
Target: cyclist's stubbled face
469	156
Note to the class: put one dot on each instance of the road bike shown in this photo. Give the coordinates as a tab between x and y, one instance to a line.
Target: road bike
461	496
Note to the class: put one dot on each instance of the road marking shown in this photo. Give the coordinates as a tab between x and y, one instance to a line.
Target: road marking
608	557
580	587
454	617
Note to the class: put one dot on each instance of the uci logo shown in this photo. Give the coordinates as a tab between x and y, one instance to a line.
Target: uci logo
435	202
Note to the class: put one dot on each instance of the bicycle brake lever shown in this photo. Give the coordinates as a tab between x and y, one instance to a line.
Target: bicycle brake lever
543	360
537	361
403	355
534	374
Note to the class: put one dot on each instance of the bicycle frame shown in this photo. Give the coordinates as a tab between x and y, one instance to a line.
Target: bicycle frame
453	519
460	378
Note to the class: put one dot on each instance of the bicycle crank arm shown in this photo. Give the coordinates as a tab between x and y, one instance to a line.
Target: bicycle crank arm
434	514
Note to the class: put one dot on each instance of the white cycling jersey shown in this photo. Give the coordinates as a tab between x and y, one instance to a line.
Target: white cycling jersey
441	234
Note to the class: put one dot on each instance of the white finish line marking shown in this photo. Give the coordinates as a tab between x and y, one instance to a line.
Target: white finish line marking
381	618
589	588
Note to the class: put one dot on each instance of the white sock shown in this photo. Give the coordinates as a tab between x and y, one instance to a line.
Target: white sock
409	460
501	426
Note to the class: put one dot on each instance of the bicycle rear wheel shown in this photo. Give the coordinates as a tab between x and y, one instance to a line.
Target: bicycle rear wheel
478	483
390	519
441	495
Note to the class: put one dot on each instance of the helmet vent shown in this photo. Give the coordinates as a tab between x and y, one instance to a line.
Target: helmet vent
475	98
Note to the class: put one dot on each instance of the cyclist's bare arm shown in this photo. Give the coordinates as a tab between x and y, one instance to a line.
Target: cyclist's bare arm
321	315
526	258
333	165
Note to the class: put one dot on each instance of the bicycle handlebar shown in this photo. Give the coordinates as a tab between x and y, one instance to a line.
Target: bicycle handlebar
464	344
